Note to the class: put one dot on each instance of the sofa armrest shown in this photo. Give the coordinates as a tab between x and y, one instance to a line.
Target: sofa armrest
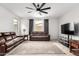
2	41
2	47
49	36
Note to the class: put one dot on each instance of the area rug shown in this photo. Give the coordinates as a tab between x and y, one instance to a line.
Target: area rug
36	47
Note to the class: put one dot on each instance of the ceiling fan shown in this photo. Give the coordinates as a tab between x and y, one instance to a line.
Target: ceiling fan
39	8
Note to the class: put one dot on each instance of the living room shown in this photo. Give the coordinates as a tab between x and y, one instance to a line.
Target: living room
39	31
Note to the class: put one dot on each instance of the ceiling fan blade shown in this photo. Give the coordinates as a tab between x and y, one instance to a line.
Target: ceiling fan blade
46	8
42	5
38	5
43	12
34	5
29	8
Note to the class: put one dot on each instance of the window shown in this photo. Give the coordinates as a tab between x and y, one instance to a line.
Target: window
39	25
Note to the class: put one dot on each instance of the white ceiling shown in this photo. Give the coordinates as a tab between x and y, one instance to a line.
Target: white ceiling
57	9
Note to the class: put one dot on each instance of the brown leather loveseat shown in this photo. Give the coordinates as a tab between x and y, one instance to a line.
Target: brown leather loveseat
39	36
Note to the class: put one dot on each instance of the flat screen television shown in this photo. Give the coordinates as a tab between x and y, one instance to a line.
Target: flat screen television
65	29
76	27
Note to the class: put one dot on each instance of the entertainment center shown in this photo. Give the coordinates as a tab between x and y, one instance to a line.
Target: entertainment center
66	37
65	30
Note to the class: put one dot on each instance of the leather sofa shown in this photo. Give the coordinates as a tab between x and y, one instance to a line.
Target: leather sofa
9	40
39	36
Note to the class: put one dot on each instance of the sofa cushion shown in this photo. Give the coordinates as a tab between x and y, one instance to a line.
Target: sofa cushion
14	36
8	38
13	33
17	39
38	33
39	36
6	33
10	43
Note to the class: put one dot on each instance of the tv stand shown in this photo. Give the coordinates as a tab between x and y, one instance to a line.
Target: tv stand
64	40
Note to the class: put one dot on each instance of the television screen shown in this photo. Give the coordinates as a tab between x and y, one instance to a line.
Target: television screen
65	29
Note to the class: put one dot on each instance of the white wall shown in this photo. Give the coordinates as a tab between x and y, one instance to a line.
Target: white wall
53	28
6	23
71	17
24	25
